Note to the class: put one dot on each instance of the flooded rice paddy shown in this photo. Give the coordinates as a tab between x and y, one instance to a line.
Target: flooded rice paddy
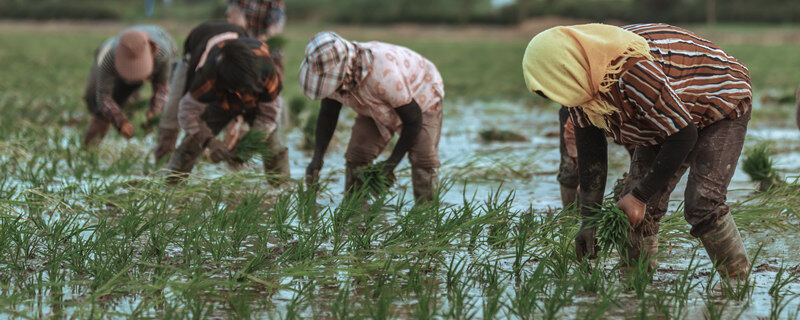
98	234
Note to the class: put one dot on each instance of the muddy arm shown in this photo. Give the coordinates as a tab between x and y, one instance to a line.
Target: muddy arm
673	153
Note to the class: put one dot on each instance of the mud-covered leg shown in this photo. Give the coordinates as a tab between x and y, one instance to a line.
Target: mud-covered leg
568	168
182	161
424	157
719	147
426	183
276	165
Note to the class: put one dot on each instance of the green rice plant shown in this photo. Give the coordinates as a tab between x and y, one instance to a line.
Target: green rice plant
527	296
252	144
493	290
639	277
458	285
683	286
778	293
424	290
759	166
612	226
559	295
374	181
498	209
494	134
591	277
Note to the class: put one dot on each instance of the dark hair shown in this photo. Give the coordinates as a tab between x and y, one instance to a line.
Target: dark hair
237	68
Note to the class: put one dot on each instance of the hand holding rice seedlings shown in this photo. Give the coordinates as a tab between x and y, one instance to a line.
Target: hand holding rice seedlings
612	225
252	144
375	180
758	165
495	134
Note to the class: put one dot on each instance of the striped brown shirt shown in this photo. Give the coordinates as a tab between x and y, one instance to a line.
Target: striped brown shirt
689	79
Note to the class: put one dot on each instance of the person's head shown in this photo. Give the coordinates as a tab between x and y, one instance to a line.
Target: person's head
573	65
133	58
326	64
237	70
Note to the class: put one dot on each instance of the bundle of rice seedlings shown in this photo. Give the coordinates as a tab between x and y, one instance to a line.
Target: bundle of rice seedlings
494	134
612	225
758	165
252	144
373	180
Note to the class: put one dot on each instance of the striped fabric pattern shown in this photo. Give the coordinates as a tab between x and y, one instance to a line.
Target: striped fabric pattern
690	79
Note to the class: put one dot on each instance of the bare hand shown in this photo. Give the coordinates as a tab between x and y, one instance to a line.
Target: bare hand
126	130
633	208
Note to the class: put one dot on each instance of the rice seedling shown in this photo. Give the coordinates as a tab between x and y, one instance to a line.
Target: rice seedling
252	144
527	295
374	180
612	226
759	166
780	298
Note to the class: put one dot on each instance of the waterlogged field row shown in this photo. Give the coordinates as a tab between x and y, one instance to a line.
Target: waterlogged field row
98	233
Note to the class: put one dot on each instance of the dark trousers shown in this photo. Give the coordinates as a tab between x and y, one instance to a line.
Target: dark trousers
711	165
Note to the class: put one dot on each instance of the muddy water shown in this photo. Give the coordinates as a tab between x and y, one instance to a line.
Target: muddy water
477	168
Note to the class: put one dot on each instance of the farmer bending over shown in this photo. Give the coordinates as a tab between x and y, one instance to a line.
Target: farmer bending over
121	65
392	89
200	39
683	101
233	77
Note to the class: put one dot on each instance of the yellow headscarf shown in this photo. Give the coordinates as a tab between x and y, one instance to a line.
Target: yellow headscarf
573	65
